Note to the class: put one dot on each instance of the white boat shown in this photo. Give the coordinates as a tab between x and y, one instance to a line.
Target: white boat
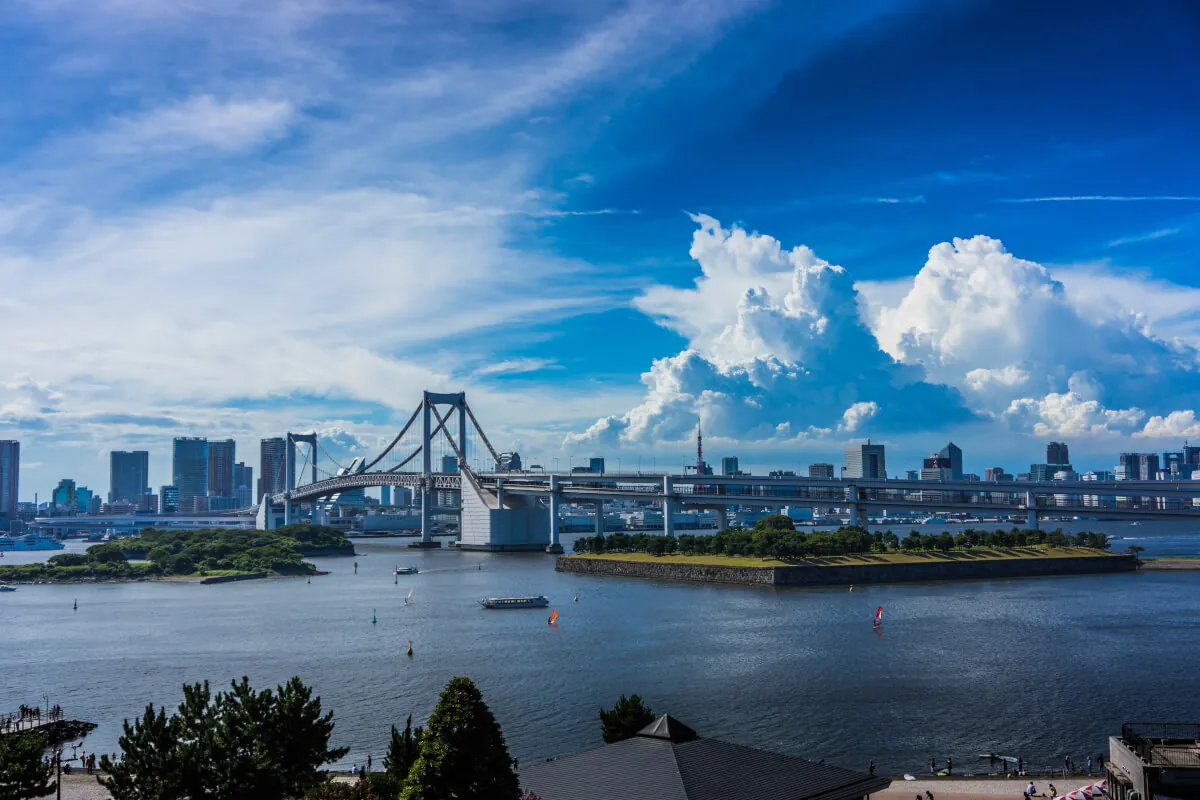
30	541
405	571
540	601
8	588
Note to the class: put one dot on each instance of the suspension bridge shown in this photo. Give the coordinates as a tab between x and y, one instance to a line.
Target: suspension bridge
442	453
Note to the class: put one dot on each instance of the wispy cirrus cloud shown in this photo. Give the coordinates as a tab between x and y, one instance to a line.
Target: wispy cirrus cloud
1162	233
516	366
914	199
1107	198
197	121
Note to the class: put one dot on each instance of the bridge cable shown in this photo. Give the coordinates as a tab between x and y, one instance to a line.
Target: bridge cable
482	435
403	431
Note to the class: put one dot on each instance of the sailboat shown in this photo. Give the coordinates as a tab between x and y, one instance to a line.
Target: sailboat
576	600
76	606
878	616
409	653
553	617
408	596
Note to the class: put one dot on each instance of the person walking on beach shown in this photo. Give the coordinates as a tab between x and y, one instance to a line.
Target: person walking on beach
949	766
932	767
1020	766
871	769
1066	766
1089	765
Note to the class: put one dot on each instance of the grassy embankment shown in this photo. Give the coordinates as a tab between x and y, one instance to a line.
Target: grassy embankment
177	555
859	559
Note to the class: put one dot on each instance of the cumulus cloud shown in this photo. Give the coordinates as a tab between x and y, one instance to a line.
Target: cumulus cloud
1176	425
790	357
997	326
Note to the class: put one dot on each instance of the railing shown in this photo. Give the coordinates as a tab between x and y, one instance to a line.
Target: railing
29	718
1167	744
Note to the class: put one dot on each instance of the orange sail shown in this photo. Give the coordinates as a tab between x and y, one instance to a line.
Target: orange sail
553	617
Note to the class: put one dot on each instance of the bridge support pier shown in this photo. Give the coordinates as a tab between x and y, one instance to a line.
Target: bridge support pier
857	510
599	517
1031	514
668	506
427	495
555	546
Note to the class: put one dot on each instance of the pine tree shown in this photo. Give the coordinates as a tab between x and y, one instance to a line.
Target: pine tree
462	753
23	774
625	719
403	750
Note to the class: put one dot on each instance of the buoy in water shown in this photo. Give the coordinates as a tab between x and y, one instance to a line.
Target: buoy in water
76	606
310	580
373	620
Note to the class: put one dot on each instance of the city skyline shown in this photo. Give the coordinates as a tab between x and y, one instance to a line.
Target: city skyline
1010	272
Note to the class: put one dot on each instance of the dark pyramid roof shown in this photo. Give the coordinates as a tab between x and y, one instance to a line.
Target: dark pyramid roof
669	728
654	766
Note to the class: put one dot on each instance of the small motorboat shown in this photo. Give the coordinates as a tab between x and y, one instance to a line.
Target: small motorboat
405	571
539	601
8	588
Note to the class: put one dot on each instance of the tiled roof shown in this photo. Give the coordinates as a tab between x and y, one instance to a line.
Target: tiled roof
651	766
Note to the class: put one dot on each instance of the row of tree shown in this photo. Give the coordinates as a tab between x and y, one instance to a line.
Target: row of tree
776	537
244	744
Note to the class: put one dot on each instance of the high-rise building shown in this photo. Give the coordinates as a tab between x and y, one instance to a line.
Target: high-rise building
996	475
385	495
1137	466
953	455
128	475
1046	472
222	456
729	466
822	471
168	499
10	480
243	485
937	467
596	464
510	462
83	499
1191	455
912	475
865	461
450	464
271	467
189	470
63	496
1176	467
1057	453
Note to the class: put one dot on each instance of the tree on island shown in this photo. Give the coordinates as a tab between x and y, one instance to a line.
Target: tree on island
23	773
462	753
625	719
240	743
1134	549
775	522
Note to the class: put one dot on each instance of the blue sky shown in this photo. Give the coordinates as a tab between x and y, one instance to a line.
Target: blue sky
238	218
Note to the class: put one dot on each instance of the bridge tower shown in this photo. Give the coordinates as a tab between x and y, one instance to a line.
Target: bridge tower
289	469
429	403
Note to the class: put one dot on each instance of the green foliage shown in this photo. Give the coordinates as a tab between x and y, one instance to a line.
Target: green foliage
463	754
775	522
23	774
403	750
240	743
770	538
625	719
189	552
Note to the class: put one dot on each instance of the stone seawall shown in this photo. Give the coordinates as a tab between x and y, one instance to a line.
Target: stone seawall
249	576
841	575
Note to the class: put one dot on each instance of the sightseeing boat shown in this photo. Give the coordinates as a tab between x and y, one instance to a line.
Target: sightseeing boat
30	541
405	571
540	601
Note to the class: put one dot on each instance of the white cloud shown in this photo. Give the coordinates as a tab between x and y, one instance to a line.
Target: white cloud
789	355
1162	233
1070	414
1176	425
515	366
1109	198
919	198
197	121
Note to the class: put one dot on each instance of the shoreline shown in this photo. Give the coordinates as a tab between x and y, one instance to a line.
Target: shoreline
201	579
678	568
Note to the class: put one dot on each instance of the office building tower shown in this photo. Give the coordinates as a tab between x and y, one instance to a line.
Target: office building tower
189	470
243	485
970	477
10	480
510	462
83	499
94	505
221	460
450	464
729	466
996	475
1191	455
168	499
1137	466
1057	453
385	495
865	461
953	455
596	464
1176	468
912	475
148	502
271	466
822	471
1046	472
128	475
63	497
937	467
